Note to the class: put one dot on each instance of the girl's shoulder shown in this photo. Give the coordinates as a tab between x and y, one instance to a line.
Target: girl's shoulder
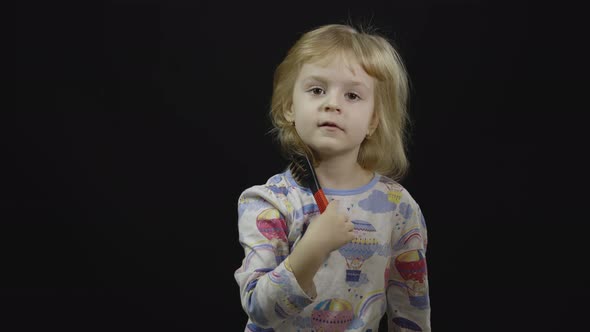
389	183
394	190
279	192
278	186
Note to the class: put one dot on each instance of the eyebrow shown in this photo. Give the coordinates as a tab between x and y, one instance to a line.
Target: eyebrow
325	80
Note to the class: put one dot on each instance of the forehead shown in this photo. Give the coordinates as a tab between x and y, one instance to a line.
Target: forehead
336	68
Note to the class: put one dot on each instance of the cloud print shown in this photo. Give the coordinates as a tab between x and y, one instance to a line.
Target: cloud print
406	210
377	202
279	190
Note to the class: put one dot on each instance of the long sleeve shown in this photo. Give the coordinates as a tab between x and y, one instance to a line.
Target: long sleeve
408	303
269	291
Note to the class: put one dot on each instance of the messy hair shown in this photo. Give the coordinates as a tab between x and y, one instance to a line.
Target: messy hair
384	152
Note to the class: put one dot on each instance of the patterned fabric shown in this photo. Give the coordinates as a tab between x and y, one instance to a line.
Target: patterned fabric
382	271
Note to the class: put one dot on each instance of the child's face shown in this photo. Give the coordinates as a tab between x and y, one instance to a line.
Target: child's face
333	104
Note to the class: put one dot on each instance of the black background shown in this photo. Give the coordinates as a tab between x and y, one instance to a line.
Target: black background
138	124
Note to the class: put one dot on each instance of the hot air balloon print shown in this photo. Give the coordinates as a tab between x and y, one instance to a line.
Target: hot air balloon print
412	267
360	249
272	225
332	315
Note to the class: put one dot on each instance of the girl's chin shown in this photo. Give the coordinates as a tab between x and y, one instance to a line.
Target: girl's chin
330	150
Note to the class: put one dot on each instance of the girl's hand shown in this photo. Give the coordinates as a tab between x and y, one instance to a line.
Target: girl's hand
330	230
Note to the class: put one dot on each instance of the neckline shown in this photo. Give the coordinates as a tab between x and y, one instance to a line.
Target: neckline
337	192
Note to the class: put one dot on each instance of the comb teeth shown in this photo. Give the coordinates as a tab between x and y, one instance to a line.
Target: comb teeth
303	173
299	172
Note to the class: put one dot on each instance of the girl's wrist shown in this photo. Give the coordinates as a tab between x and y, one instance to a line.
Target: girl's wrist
315	247
309	287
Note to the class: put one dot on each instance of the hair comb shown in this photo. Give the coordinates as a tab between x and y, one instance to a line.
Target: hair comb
304	174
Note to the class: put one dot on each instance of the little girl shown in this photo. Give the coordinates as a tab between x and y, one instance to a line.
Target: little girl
341	95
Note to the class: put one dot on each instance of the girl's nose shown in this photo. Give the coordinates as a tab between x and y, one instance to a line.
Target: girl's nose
332	104
331	107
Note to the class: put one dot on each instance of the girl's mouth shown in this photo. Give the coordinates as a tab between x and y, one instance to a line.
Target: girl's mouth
328	124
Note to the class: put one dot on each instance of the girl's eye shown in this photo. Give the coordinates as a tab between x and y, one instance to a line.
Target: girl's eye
353	96
316	91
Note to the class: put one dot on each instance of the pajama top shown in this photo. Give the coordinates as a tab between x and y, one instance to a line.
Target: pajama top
382	271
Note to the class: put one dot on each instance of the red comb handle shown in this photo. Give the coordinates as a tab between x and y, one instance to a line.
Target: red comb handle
321	200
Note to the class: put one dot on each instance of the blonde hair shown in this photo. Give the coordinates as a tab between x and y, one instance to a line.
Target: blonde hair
384	152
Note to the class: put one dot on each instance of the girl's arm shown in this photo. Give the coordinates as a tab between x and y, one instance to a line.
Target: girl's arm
408	302
274	283
269	290
326	233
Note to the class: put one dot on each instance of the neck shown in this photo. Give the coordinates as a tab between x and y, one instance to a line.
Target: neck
342	173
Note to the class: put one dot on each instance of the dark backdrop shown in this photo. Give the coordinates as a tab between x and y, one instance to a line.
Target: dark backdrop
138	124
